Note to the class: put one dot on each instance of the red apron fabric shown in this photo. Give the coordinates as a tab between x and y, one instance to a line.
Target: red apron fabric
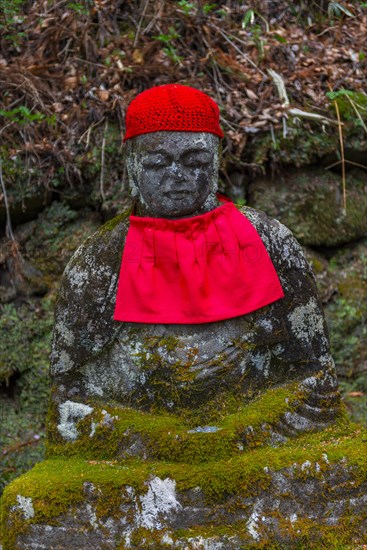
194	270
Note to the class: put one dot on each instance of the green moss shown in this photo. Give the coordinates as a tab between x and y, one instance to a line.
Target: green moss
304	144
315	191
317	266
303	532
111	224
56	485
168	437
59	231
346	312
25	328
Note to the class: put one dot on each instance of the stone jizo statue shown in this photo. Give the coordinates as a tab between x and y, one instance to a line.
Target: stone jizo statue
189	366
194	397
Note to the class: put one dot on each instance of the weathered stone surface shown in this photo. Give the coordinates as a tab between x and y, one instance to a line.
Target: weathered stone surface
310	203
106	432
314	491
177	367
186	369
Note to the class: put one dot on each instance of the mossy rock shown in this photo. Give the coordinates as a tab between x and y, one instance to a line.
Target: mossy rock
326	284
341	282
25	327
310	203
25	208
99	431
310	493
346	312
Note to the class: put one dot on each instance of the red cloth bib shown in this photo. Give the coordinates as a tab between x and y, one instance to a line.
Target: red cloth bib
194	270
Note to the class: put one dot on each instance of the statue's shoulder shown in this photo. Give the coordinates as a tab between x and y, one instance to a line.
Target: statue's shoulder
97	260
85	305
95	250
269	229
283	248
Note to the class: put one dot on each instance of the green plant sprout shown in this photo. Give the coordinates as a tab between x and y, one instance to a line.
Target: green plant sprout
10	17
250	16
169	48
22	115
188	8
256	29
79	8
207	8
10	11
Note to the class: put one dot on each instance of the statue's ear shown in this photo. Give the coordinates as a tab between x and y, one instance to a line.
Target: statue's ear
130	161
132	174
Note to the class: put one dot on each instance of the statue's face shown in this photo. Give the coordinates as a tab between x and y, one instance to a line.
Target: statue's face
174	174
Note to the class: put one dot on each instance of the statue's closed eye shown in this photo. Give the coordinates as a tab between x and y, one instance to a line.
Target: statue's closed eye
156	161
197	159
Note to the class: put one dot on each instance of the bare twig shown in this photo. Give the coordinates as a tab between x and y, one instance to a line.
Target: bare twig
90	63
8	229
272	133
140	24
15	448
327	30
52	8
299	113
6	126
101	181
364	166
89	130
357	112
248	59
342	156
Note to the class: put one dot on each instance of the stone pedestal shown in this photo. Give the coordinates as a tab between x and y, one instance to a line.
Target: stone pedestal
139	481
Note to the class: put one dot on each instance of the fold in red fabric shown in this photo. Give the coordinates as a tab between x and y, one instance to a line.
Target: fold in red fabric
194	270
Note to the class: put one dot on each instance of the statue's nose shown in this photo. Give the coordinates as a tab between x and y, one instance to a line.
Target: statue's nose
176	171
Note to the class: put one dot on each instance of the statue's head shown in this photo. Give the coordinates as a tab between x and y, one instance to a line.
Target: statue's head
172	140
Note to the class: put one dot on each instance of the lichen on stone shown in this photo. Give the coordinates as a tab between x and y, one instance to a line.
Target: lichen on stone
70	413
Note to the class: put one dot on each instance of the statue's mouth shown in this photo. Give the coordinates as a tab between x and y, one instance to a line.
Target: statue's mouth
177	195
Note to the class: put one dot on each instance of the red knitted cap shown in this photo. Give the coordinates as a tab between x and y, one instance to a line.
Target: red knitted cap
172	107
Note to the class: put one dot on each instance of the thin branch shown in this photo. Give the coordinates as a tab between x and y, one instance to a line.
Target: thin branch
101	182
8	229
248	59
357	112
18	446
348	162
140	24
327	30
89	130
343	157
90	62
6	126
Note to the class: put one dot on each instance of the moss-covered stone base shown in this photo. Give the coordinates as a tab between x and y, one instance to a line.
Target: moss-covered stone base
308	493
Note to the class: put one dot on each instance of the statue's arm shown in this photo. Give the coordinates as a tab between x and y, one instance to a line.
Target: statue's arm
301	307
84	310
306	353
